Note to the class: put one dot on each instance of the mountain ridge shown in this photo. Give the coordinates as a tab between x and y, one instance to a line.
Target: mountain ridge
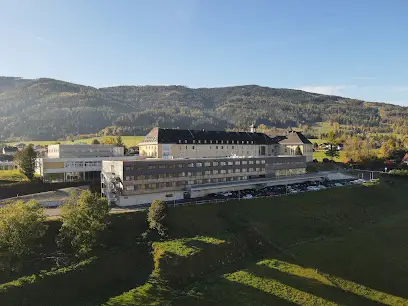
46	108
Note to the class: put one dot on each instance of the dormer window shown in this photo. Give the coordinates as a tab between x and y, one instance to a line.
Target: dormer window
185	141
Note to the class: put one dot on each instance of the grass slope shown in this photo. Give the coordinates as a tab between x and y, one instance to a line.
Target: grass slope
129	141
344	246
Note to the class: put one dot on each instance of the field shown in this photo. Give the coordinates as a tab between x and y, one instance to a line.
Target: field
12	175
341	246
319	155
129	141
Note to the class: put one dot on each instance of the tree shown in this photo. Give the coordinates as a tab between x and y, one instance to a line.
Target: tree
388	148
109	140
25	161
95	141
332	152
298	151
157	216
119	142
21	226
83	218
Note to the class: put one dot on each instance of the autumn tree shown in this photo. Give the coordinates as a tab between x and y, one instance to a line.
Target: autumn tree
109	140
84	216
25	161
95	141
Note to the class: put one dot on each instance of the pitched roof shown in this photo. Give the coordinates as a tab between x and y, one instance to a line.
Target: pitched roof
293	137
202	136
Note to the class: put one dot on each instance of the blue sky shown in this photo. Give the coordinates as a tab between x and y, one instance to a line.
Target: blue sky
355	48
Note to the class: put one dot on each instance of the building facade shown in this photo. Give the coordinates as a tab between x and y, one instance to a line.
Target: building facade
174	143
139	182
83	150
292	140
76	162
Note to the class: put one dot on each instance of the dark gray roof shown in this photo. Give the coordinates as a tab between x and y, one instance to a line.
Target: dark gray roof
203	136
10	149
293	137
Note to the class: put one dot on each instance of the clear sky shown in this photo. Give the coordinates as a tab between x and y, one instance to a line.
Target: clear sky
355	48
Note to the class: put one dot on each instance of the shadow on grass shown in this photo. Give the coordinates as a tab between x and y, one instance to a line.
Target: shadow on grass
89	284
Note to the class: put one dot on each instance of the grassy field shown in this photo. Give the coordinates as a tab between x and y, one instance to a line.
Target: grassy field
319	155
343	246
129	141
12	175
323	248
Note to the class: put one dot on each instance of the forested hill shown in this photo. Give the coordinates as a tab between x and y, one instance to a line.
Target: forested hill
50	109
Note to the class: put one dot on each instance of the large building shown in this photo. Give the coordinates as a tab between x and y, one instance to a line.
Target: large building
137	182
174	143
77	162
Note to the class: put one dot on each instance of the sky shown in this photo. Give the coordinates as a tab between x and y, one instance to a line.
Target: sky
352	48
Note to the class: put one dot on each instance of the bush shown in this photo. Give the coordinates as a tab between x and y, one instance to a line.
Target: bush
157	215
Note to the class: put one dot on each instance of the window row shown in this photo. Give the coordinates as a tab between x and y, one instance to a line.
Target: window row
183	183
219	141
191	174
199	164
75	164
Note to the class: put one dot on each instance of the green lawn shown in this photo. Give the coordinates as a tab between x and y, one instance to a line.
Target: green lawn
343	246
326	248
129	141
319	155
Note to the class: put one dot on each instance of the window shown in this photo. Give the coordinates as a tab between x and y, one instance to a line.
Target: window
169	195
223	171
185	141
207	172
230	163
263	161
193	142
186	147
207	164
215	163
130	188
199	141
222	163
244	169
215	171
222	147
251	169
251	162
237	170
244	162
127	178
237	162
230	171
193	147
232	147
216	147
257	162
199	164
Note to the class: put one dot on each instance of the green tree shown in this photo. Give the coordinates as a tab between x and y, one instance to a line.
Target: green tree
95	141
157	216
332	152
119	141
21	226
298	151
84	216
25	161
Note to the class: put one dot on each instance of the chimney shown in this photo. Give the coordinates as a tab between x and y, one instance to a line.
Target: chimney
252	128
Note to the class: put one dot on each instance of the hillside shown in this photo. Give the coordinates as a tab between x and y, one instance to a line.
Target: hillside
319	248
44	109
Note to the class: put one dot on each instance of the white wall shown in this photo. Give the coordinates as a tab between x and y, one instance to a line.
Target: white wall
149	198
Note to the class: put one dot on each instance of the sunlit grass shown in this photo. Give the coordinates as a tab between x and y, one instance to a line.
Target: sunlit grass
129	141
181	247
277	288
12	175
329	280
